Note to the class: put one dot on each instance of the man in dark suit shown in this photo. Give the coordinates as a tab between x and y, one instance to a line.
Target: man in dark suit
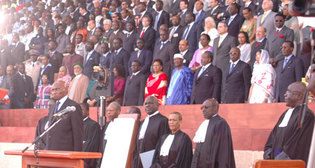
135	84
236	79
144	56
183	50
105	55
276	38
119	56
216	9
234	21
46	69
174	9
17	50
183	5
207	81
200	13
92	59
147	33
258	44
176	32
289	70
165	51
68	134
5	83
129	37
222	45
248	4
161	16
143	12
192	31
55	56
22	95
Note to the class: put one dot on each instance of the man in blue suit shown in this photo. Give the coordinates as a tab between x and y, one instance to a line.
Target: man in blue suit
91	59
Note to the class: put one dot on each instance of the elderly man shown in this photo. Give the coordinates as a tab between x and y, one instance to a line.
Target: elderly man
267	18
214	146
181	84
78	85
150	130
258	44
287	140
174	149
68	134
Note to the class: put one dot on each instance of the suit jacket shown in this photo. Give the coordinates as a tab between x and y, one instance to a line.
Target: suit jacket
80	88
268	23
105	60
22	89
188	57
129	43
176	36
149	38
214	13
145	59
254	50
68	134
274	43
122	57
56	61
236	84
174	9
201	18
182	18
252	6
92	61
292	72
47	71
139	24
235	25
134	90
69	60
163	19
221	54
112	36
17	54
193	36
62	40
208	85
166	55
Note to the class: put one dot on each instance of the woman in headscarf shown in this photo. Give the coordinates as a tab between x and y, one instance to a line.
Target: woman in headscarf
263	80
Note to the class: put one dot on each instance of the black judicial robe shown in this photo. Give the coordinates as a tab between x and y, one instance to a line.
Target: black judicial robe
180	153
91	140
40	128
217	150
157	126
293	141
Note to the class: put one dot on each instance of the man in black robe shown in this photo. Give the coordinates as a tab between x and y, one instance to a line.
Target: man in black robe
174	149
214	146
150	130
287	141
91	139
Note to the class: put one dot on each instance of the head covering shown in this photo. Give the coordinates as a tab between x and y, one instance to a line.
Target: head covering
264	57
178	55
78	63
34	53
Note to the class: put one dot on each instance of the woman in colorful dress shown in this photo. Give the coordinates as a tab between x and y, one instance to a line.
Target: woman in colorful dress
195	63
43	93
119	85
249	24
157	83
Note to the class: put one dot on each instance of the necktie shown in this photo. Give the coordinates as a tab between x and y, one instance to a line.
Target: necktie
201	71
139	19
276	33
257	44
142	33
230	20
128	34
263	18
56	108
132	76
285	62
162	45
138	54
156	21
186	32
231	68
197	15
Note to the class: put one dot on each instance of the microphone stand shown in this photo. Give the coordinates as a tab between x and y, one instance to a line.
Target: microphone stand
42	135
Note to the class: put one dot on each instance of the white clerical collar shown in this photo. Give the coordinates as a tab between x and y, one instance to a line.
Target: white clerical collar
286	118
61	101
165	148
235	63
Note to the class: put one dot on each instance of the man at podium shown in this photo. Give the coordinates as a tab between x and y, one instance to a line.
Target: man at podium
67	135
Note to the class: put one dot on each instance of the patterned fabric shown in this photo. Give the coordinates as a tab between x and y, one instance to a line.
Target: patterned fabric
196	60
157	86
43	96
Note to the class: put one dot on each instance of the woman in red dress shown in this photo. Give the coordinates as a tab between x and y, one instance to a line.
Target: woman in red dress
157	83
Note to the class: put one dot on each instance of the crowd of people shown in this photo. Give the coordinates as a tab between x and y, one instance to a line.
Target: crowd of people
181	52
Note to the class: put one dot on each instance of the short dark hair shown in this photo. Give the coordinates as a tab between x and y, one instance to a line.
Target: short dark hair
180	117
137	61
246	35
159	61
206	35
86	105
248	9
209	54
186	2
120	70
280	14
290	42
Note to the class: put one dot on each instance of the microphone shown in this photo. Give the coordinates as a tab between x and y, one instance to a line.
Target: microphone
65	111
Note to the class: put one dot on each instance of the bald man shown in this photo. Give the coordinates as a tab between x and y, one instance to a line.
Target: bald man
287	141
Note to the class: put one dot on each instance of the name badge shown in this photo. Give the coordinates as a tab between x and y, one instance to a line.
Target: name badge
175	35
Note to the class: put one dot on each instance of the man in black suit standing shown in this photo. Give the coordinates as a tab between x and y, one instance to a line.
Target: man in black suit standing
176	32
119	56
236	79
207	81
222	45
183	5
46	69
165	51
67	135
174	9
129	37
184	50
22	95
92	59
192	31
17	50
55	56
147	33
234	21
200	13
161	16
215	10
135	84
258	44
141	6
289	70
144	56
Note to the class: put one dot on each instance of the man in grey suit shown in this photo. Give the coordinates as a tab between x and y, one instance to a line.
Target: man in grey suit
276	39
222	45
289	70
236	79
267	18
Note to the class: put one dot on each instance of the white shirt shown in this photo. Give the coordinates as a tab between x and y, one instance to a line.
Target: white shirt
61	101
235	63
184	52
145	125
222	37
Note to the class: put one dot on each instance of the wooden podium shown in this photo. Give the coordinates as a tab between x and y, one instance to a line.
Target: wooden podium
69	159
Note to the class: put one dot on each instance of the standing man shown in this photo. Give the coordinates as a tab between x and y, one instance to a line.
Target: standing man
161	16
181	84
289	70
192	31
55	56
135	84
32	67
214	146
176	32
119	55
129	37
72	58
63	39
92	59
258	44
234	21
200	13
67	135
207	81
174	149
236	79
151	130
184	50
267	18
147	32
287	141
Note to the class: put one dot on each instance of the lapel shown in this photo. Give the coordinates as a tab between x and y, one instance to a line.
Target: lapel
204	72
289	62
279	33
222	43
235	68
